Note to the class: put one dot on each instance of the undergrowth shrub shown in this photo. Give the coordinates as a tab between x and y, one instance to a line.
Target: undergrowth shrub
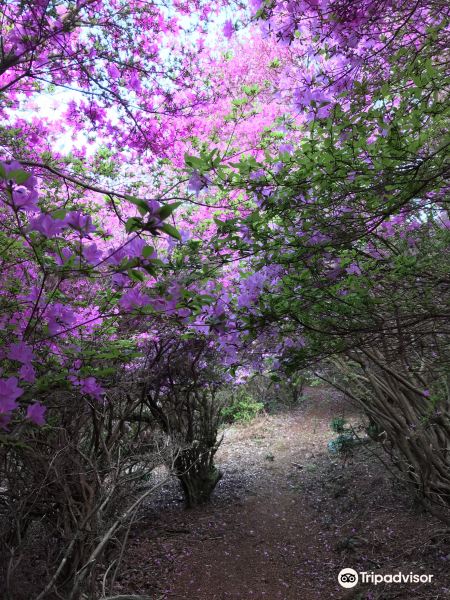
338	424
241	408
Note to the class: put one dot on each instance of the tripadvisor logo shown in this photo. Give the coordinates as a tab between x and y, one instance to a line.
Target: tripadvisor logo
348	578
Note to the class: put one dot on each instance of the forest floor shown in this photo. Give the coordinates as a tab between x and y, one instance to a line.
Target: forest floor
285	519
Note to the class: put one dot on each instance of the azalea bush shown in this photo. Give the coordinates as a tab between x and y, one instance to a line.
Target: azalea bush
359	224
344	245
181	379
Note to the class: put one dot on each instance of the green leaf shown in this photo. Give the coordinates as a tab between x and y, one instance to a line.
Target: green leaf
59	214
133	224
150	270
170	230
147	251
141	204
168	209
135	275
194	162
19	176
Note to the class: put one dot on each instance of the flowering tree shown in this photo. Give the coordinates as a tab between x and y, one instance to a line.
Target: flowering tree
345	244
75	218
84	227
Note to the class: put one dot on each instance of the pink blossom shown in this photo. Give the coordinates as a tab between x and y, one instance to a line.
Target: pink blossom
228	29
135	83
113	71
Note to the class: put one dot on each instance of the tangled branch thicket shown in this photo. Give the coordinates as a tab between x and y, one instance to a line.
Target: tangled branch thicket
407	398
68	494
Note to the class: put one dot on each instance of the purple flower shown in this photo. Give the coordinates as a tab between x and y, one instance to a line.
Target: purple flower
286	148
27	373
20	352
154	219
120	280
9	392
198	182
90	387
257	174
185	236
5	418
10	166
312	100
116	256
133	299
135	247
34	296
25	199
30	183
36	413
64	257
80	222
334	273
353	269
228	29
46	225
153	207
59	318
92	254
256	5
319	238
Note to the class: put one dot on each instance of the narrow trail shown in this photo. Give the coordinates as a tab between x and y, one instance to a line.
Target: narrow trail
268	548
269	544
285	519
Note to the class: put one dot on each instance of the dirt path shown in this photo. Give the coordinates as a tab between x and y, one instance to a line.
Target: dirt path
285	519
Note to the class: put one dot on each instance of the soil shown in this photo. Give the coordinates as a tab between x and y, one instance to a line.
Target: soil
287	516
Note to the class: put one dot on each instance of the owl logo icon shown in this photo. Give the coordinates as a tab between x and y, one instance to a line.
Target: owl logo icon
348	578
